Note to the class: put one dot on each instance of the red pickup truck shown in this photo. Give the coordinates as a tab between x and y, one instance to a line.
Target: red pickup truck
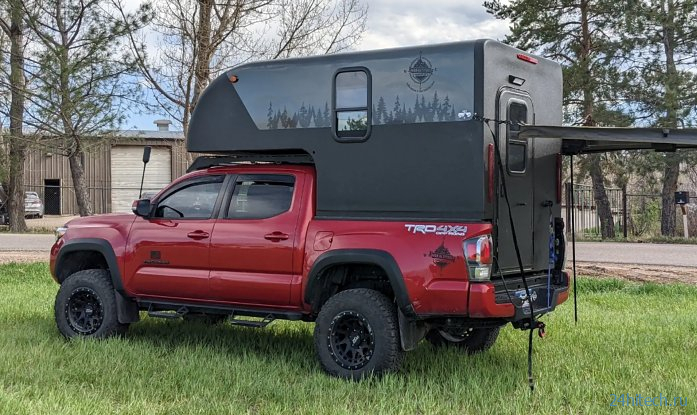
242	243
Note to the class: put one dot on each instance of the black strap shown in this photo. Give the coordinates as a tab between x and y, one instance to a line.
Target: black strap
502	172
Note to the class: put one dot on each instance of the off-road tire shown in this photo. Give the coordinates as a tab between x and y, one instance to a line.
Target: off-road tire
86	306
474	341
374	320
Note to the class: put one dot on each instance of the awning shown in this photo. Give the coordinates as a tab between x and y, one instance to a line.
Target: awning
583	140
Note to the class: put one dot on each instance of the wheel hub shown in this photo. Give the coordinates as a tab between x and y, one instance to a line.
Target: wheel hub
351	341
84	311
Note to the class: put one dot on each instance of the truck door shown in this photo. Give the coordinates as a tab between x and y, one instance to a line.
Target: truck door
254	240
517	155
169	251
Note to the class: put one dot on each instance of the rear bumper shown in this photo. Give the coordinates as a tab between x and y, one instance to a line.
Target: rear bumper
507	298
33	210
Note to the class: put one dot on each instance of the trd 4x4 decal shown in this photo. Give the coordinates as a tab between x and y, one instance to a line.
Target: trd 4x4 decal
449	230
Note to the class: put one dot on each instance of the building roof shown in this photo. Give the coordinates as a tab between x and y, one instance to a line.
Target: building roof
150	134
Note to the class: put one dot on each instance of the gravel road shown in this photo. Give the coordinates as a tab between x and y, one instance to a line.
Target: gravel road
636	253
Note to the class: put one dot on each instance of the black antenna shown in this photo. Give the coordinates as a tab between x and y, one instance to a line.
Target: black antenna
146	159
573	236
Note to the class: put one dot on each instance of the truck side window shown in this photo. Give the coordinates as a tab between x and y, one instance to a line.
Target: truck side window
195	200
260	199
351	104
516	149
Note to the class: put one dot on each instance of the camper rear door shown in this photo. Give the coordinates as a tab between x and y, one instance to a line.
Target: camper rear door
517	156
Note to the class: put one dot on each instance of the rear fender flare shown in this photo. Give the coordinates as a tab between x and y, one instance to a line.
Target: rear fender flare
376	257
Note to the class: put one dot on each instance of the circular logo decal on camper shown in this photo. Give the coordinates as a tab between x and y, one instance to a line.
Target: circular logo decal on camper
420	71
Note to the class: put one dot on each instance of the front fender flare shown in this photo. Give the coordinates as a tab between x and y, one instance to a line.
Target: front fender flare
96	245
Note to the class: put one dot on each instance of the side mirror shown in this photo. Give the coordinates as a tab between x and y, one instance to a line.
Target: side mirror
142	208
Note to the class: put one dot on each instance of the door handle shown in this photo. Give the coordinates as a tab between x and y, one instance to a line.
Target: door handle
198	235
276	236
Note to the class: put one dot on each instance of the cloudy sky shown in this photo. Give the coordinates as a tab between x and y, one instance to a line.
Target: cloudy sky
415	22
393	23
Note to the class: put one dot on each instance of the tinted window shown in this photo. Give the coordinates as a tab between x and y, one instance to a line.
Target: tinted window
351	89
516	157
193	201
351	123
517	148
258	199
517	114
351	106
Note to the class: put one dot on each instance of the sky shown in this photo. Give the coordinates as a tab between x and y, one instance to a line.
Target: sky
393	23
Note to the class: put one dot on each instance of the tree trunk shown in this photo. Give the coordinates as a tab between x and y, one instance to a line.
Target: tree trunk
672	166
607	223
18	147
202	69
670	186
77	172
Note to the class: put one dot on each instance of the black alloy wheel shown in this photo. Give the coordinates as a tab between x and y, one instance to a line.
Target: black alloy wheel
84	311
351	341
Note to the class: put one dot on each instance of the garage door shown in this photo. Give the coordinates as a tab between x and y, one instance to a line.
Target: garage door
127	168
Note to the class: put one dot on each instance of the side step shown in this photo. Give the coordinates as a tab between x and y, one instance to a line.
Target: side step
171	314
173	310
256	324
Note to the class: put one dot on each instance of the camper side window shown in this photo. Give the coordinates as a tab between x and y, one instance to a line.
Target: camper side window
516	148
351	104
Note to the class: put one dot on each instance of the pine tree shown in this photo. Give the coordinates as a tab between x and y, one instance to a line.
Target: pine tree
435	104
417	111
397	111
579	36
663	36
304	116
269	117
381	112
326	117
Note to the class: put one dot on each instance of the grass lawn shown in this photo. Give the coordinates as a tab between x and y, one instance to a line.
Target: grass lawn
631	339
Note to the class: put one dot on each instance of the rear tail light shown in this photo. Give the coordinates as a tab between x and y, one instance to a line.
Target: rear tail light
526	58
478	254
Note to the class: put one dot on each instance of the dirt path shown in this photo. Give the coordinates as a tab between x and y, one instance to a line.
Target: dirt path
23	256
640	273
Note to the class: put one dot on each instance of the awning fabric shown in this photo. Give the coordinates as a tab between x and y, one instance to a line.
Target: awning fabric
584	140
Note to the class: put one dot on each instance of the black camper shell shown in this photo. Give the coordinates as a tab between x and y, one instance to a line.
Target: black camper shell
393	133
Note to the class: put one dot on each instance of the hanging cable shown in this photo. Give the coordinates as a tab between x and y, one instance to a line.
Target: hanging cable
532	325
